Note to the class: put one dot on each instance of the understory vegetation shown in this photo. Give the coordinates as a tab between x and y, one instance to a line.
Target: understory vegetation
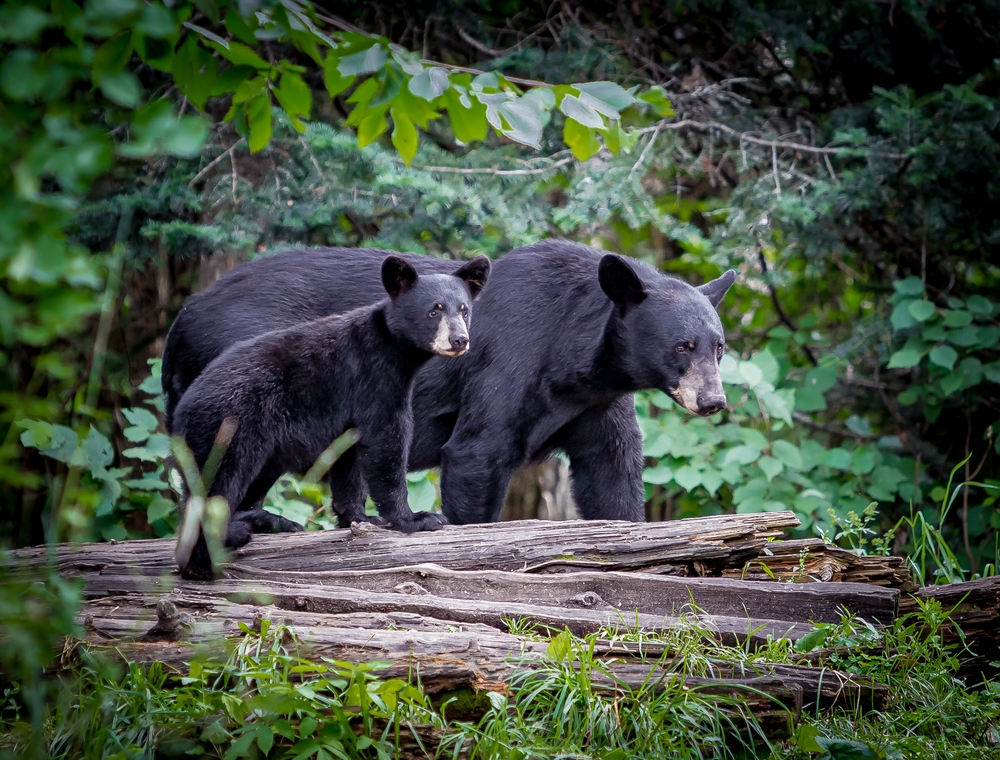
843	157
266	699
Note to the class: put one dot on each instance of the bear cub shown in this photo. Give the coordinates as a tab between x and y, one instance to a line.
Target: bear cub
291	392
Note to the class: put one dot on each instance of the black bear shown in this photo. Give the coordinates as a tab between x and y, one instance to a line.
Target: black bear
292	391
562	338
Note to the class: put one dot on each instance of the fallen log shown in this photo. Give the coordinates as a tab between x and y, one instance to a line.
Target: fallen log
627	592
698	546
812	560
973	609
209	606
445	657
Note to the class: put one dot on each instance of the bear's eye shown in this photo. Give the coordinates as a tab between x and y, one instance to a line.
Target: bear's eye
464	309
438	308
683	347
433	313
719	351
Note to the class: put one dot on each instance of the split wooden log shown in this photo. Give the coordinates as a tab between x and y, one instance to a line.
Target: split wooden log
208	605
627	592
974	612
811	560
446	656
699	546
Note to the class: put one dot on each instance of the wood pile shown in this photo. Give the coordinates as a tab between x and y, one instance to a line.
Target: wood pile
442	604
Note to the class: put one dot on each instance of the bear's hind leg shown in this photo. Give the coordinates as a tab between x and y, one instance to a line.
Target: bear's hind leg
348	492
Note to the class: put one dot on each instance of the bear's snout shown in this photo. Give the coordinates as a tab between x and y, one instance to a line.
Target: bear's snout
459	342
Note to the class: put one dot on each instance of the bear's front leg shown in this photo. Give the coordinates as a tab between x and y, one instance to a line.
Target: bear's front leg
348	492
382	459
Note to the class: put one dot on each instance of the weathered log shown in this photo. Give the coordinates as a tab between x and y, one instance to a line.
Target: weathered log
206	604
812	560
445	657
628	592
973	609
700	546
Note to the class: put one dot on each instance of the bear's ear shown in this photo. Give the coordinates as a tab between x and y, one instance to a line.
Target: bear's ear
620	282
398	275
716	290
475	273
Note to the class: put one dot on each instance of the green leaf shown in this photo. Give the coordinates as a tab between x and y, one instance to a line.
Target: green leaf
992	372
156	21
467	116
231	78
240	747
957	318
121	87
904	359
576	110
336	82
657	476
841	749
988	336
237	53
195	71
429	83
979	306
259	119
770	467
911	286
951	383
581	140
159	509
901	317
837	459
560	646
788	454
921	310
114	54
812	640
242	28
404	135
54	441
607	92
363	62
294	97
688	478
372	126
745	454
265	737
656	97
157	129
862	460
21	23
944	356
965	337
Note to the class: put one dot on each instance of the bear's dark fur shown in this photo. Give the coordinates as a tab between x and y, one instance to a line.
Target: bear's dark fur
562	338
292	391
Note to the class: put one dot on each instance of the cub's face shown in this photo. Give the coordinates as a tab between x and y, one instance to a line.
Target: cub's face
434	311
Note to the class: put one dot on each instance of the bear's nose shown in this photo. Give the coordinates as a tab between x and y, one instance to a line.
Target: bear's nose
460	342
709	405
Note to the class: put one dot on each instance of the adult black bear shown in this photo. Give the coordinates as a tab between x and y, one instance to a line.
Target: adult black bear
292	391
563	336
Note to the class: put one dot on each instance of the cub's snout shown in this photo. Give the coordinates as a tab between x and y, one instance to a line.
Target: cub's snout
452	336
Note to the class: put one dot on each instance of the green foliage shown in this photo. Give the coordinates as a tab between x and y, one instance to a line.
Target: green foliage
264	701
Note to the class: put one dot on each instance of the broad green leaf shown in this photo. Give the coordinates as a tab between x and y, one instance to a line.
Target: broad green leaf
239	54
767	364
336	82
607	92
992	372
265	737
122	87
135	434
988	336
904	359
404	135
862	460
363	62
582	141
195	71
521	123
372	126
921	310
656	97
140	417
688	478
156	21
541	101
911	286
259	120
745	454
966	337
779	403
951	383
21	23
114	54
559	647
944	356
159	509
901	317
957	318
242	28
751	373
770	467
657	476
294	97
99	450
157	129
231	78
575	109
429	83
55	441
788	454
467	116
979	305
842	749
838	459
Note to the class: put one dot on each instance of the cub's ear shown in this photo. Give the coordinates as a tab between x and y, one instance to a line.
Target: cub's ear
475	273
620	282
716	290
398	275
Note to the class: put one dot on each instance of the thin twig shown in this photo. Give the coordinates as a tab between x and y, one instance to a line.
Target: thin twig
497	172
214	161
642	156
